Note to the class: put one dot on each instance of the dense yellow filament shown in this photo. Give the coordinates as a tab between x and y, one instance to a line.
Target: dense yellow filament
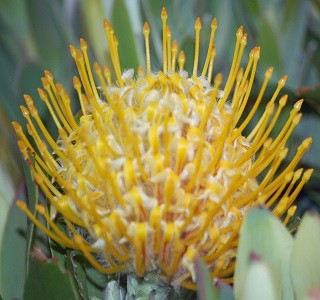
93	86
212	55
156	167
146	33
164	17
56	104
240	44
174	50
214	26
113	43
181	60
168	42
197	28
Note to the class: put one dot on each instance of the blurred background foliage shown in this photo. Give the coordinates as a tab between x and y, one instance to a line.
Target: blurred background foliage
35	35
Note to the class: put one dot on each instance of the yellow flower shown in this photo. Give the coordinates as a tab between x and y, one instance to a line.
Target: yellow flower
157	167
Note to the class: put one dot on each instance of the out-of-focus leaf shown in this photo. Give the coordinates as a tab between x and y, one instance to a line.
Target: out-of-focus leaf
253	7
12	254
13	12
314	195
93	14
46	37
314	16
4	209
270	47
305	258
226	292
7	100
259	283
311	95
151	12
309	125
188	47
127	41
16	46
26	83
205	288
292	35
226	35
46	281
9	41
266	236
182	28
243	9
313	294
9	172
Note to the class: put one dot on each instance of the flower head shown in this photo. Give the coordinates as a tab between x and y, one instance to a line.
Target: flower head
156	167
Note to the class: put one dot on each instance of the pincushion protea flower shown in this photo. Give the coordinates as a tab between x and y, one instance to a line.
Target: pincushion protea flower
157	168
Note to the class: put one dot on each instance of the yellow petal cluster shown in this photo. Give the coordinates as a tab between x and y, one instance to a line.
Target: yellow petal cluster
156	167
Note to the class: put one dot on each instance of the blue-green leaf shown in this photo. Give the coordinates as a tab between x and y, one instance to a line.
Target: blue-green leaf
46	281
13	254
259	283
266	236
205	288
305	259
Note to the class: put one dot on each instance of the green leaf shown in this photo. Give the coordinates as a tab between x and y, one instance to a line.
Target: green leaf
259	283
9	174
305	259
205	288
267	237
226	292
33	199
96	282
4	209
76	266
127	41
46	281
12	254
